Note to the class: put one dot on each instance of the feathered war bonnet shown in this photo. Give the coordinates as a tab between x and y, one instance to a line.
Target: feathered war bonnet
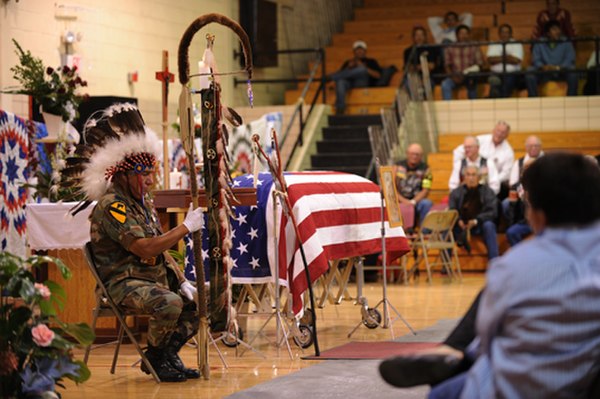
117	141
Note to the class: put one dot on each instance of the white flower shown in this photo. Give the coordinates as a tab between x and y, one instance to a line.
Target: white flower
70	110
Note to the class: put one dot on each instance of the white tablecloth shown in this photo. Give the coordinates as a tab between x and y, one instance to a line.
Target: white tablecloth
50	226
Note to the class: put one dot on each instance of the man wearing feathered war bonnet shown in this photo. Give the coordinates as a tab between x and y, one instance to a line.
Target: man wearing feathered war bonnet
115	167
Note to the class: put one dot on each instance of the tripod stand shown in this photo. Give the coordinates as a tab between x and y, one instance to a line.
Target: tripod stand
369	313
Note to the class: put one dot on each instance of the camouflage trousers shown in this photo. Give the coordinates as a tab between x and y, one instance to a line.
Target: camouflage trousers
169	312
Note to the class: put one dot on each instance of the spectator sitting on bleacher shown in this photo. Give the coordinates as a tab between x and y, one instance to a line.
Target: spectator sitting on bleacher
553	12
557	60
488	173
507	56
495	148
359	71
444	29
513	206
518	228
533	150
419	46
459	61
477	208
413	181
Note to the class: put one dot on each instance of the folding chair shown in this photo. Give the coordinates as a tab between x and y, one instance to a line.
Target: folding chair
105	306
440	238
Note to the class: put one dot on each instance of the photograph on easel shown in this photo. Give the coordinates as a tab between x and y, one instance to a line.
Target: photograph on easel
392	205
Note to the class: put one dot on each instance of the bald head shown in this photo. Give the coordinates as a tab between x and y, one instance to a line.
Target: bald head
500	132
533	146
471	145
414	155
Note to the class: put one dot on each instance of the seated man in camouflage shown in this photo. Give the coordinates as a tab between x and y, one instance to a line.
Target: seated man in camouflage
413	181
127	238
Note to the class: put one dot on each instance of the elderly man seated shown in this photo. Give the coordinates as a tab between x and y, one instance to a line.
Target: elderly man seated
477	209
488	173
413	181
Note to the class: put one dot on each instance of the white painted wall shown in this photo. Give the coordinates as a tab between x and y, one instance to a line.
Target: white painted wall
118	36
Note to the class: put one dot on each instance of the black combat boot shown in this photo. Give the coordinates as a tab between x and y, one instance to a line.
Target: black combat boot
164	370
171	354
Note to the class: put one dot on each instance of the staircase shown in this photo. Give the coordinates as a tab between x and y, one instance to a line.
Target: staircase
345	146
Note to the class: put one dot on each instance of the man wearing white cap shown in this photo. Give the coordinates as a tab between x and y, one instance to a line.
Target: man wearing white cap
358	71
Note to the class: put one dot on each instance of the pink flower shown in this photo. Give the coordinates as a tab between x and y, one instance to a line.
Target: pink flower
42	335
42	290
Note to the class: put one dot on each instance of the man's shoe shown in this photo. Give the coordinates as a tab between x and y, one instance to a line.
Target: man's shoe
165	372
171	355
176	362
408	371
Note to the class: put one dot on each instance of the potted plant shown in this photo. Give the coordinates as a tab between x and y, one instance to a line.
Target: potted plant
55	90
35	356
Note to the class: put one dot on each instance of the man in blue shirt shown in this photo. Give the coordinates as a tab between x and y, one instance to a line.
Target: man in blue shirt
538	323
555	59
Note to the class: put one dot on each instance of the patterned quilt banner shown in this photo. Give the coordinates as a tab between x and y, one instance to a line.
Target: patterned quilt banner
339	216
14	174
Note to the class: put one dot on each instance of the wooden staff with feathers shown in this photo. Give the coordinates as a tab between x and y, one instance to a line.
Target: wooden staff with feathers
274	164
216	176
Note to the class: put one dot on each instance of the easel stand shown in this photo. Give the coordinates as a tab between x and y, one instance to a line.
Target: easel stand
387	321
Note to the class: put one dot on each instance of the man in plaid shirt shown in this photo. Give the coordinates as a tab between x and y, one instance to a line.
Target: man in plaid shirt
459	61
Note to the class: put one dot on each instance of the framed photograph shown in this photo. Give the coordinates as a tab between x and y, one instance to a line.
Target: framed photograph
392	205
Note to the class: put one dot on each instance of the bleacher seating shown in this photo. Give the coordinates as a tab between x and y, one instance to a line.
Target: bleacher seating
386	26
586	142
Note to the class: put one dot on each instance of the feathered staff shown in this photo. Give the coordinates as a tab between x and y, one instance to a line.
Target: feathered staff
216	178
274	164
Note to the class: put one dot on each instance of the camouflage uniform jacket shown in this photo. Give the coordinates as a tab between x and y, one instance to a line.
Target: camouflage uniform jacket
116	222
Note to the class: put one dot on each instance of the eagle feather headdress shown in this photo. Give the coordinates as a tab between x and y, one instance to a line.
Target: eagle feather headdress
116	141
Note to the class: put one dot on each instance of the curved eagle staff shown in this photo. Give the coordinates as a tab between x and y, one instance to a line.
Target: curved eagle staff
274	164
216	178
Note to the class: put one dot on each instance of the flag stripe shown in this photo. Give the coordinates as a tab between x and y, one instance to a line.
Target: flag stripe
338	215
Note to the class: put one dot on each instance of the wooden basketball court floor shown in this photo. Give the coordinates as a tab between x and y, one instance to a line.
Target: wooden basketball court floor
421	304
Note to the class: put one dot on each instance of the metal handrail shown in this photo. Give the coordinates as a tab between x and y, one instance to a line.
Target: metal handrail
298	111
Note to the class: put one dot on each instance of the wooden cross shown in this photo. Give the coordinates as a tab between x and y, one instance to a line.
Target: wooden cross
165	77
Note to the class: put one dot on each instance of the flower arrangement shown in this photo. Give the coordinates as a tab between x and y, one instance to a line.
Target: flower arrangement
54	89
48	183
34	354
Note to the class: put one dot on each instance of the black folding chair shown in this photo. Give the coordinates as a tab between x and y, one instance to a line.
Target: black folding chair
105	306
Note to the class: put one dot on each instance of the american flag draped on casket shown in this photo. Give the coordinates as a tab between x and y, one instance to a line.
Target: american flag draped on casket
338	216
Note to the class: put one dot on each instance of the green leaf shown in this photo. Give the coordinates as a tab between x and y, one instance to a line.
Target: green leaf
38	260
59	342
82	332
47	308
9	265
27	290
58	295
83	374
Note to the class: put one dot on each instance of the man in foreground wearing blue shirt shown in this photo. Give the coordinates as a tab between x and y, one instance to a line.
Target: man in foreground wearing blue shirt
538	323
555	59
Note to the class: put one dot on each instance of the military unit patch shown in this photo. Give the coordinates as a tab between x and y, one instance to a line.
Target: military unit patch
118	211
